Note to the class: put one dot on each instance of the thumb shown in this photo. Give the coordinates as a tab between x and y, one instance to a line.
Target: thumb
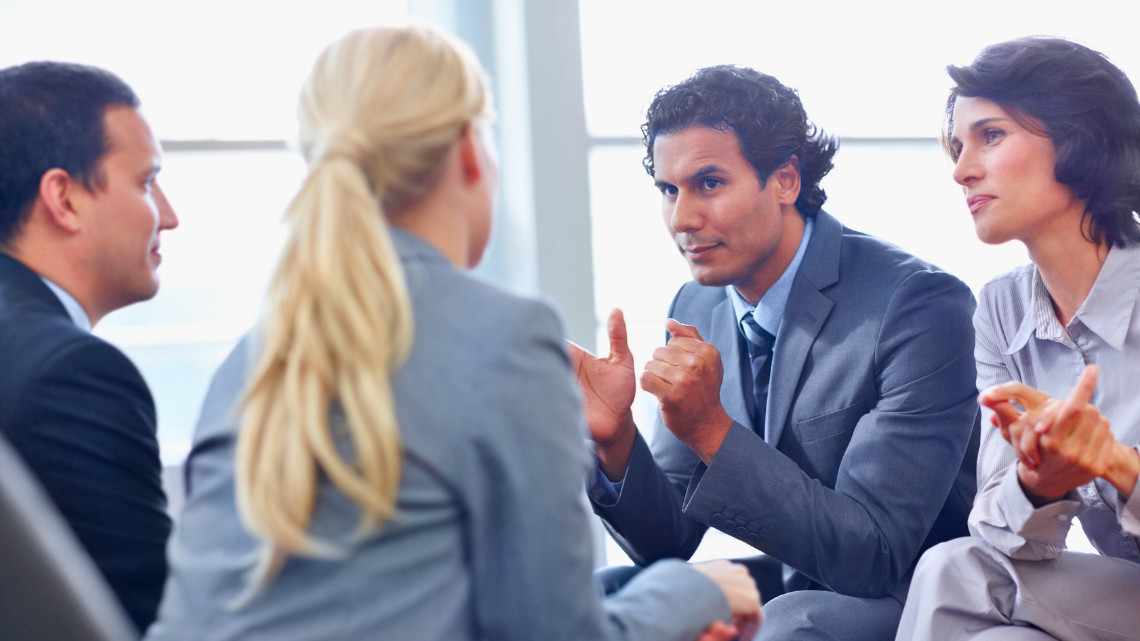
619	340
681	330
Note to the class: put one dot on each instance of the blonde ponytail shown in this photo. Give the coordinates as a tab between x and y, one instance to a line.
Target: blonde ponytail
378	114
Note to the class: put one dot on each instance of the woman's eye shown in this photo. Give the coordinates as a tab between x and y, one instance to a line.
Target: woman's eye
992	135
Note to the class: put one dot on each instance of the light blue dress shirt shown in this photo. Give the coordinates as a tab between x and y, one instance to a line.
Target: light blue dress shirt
74	309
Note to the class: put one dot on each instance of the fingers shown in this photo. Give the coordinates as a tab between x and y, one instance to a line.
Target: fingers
1026	447
1082	394
1070	418
736	583
1028	397
749	626
719	631
681	360
1005	414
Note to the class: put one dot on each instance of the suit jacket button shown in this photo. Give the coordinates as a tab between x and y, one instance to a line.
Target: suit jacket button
752	538
741	533
716	520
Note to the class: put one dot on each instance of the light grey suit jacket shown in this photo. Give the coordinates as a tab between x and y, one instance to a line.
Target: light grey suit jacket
869	451
491	539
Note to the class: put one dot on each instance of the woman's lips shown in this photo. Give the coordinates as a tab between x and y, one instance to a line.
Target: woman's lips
977	202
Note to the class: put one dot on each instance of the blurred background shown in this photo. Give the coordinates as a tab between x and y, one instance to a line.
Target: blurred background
578	219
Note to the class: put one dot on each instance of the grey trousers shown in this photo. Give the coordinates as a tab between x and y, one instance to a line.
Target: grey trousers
966	589
799	615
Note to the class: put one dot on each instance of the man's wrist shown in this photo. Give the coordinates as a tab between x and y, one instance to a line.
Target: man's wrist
712	436
614	454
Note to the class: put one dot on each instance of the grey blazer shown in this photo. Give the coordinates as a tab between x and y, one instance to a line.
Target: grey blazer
491	539
870	446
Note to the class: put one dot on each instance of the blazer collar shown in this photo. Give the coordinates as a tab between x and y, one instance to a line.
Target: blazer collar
17	278
806	311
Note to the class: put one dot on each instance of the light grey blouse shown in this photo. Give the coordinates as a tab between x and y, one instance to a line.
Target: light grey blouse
1020	339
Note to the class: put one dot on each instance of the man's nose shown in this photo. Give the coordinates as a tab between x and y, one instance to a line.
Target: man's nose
167	219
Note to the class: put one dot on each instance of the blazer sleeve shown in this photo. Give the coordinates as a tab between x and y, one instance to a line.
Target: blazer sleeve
86	426
529	527
862	536
1002	514
647	519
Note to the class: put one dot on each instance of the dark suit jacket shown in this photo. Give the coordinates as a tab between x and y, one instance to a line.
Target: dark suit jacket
869	451
79	413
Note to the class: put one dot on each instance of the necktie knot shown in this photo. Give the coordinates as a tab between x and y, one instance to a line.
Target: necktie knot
757	336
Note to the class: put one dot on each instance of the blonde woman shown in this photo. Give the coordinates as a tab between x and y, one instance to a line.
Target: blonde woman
397	450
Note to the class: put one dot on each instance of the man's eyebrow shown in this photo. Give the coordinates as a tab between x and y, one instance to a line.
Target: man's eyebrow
704	171
693	177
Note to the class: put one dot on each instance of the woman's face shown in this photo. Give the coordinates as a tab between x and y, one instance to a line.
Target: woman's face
1007	174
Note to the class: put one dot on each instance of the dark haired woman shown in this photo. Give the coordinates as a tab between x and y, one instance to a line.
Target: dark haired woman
1045	138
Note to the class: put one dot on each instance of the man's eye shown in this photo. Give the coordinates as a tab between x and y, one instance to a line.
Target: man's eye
710	183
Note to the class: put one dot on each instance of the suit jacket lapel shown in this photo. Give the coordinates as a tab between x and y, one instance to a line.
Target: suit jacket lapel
804	315
726	337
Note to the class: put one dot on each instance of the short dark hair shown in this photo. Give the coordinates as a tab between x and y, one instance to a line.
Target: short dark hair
767	117
1087	107
51	115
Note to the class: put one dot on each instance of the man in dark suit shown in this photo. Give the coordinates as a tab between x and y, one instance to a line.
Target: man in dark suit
80	218
816	397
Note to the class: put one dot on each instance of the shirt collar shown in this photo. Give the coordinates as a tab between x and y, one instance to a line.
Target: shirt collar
770	310
74	309
1107	310
1112	300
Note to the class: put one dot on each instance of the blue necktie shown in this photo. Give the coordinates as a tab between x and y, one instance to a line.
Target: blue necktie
759	343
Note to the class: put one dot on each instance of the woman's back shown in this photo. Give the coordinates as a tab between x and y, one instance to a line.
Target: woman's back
490	538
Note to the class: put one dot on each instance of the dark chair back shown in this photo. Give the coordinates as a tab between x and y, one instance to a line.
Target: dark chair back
49	587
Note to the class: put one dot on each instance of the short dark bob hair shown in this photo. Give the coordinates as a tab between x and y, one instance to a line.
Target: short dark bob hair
1087	107
767	117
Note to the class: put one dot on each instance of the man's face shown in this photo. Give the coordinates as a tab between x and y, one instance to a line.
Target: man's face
731	230
125	215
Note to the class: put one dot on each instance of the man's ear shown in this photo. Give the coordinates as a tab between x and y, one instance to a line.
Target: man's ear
469	159
62	197
787	179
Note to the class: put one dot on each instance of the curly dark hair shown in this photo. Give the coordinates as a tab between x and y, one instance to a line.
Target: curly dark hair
51	115
1087	107
767	117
